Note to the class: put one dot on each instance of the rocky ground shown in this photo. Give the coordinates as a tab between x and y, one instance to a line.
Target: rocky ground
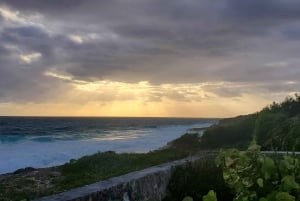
28	181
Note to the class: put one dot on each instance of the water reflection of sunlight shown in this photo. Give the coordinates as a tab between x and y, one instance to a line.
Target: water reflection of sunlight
114	138
124	135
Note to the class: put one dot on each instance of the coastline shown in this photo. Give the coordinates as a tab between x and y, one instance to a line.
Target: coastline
46	181
61	143
29	169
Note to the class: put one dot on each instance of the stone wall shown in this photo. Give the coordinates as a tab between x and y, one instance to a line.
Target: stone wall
145	185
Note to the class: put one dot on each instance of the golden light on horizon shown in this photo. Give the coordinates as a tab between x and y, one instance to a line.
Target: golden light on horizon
111	98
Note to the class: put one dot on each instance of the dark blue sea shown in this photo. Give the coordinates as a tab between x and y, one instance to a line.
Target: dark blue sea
48	141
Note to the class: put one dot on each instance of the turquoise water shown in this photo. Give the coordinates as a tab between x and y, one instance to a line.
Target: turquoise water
47	141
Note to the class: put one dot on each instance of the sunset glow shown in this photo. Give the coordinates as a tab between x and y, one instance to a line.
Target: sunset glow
150	58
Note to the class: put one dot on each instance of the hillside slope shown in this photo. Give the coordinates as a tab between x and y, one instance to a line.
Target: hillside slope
276	127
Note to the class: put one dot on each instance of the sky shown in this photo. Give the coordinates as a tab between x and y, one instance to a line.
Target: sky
179	58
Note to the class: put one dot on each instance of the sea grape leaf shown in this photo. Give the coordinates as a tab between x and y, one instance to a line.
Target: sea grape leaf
284	196
228	161
288	183
260	182
211	196
268	168
254	147
247	182
285	165
188	198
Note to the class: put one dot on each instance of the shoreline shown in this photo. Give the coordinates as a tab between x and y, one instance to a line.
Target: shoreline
48	151
30	169
89	169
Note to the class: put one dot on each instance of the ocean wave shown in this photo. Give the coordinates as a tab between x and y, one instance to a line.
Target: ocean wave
19	151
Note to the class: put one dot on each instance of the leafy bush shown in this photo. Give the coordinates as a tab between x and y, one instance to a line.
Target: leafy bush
290	106
253	176
278	126
237	132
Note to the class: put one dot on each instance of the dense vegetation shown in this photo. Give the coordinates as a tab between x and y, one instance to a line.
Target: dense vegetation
253	176
250	175
276	127
233	132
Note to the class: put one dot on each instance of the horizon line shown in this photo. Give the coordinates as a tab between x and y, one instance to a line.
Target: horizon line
66	116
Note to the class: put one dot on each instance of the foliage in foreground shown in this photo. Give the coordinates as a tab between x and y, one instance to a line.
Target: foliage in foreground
253	176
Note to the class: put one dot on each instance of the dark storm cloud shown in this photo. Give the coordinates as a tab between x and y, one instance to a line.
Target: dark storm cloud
27	37
43	6
292	31
3	52
23	85
180	41
25	82
261	10
237	90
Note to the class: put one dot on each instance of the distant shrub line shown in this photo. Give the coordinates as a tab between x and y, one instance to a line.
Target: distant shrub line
276	127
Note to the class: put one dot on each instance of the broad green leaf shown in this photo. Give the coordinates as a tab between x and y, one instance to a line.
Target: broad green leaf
228	161
247	182
268	167
211	196
284	167
288	183
284	196
260	182
254	147
188	198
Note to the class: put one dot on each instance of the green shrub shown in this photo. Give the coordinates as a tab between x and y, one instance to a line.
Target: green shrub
234	132
254	176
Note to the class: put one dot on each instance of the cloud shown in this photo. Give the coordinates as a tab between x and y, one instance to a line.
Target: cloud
29	58
9	15
106	90
76	38
251	44
275	10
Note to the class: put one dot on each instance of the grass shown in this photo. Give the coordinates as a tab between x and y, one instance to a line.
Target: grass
105	165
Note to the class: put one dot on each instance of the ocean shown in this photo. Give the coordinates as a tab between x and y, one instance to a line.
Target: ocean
48	141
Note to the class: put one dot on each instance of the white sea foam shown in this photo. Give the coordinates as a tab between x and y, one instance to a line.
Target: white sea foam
36	152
